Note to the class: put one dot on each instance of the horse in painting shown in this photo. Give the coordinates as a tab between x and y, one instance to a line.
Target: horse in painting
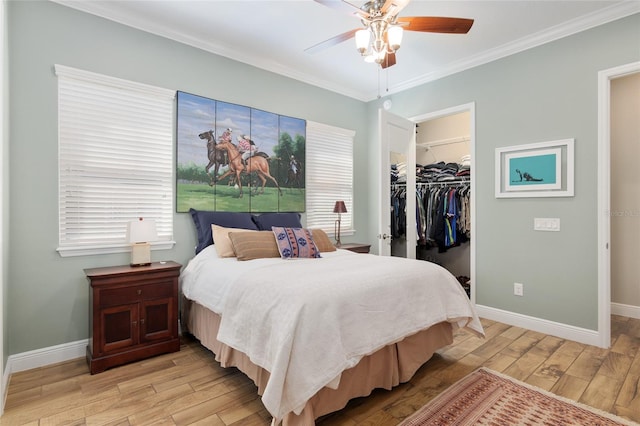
257	163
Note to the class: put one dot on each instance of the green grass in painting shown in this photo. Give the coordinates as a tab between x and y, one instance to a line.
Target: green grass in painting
222	197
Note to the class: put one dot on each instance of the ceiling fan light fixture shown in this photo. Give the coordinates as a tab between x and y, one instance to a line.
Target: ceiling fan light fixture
362	40
394	35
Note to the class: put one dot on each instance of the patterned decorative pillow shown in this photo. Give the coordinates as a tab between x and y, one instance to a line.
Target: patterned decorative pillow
295	243
322	240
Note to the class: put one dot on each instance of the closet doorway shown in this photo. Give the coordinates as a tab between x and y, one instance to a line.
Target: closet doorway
443	168
460	260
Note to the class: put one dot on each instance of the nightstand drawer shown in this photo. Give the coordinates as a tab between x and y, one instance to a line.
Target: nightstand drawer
123	295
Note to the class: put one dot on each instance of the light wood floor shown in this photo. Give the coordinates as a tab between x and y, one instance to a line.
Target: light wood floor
190	388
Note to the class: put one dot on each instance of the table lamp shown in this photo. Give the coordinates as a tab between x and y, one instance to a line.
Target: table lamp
139	233
338	208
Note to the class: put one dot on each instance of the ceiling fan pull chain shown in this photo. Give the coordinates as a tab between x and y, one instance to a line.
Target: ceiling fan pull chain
387	70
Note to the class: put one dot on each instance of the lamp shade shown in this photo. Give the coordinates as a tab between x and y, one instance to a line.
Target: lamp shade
339	207
362	40
394	34
141	231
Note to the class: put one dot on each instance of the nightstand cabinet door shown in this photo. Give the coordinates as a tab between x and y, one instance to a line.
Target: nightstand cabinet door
133	313
119	327
157	319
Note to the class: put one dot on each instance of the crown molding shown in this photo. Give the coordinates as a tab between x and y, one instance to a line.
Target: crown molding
102	10
603	16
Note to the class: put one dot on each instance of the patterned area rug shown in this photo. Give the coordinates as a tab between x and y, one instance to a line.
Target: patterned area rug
486	397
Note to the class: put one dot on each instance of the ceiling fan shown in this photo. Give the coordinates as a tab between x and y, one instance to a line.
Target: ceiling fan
381	36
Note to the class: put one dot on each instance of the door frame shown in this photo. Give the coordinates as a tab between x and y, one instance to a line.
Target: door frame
471	109
604	196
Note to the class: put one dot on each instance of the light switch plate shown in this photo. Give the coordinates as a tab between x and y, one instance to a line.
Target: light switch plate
546	224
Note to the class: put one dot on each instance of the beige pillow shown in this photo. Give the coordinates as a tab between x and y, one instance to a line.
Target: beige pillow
221	239
254	245
322	240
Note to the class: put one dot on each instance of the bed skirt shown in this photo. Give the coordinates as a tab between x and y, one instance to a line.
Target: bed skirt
386	368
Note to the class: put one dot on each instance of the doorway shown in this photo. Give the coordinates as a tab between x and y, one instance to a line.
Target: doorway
389	124
466	143
605	206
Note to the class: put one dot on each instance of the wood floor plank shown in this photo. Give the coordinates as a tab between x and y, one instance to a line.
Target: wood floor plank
601	392
570	387
585	366
615	365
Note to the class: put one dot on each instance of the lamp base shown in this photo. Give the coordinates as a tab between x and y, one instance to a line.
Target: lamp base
336	231
140	254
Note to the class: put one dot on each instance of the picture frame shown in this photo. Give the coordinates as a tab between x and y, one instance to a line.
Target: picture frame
543	169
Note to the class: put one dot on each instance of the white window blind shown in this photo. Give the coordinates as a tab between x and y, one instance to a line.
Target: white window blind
115	156
329	176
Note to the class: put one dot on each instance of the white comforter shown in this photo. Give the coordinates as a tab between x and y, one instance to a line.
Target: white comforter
307	320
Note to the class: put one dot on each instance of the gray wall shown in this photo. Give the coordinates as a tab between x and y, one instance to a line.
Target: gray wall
547	93
47	296
543	94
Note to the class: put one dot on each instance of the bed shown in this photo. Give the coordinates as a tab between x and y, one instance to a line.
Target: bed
315	331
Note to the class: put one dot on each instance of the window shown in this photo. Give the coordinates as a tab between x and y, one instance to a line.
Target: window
115	156
329	176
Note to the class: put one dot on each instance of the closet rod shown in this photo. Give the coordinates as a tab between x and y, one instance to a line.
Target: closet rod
442	183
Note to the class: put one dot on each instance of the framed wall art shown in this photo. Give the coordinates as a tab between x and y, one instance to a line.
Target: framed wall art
237	158
543	169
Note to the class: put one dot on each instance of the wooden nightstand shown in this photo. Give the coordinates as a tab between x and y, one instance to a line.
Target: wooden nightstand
356	247
133	313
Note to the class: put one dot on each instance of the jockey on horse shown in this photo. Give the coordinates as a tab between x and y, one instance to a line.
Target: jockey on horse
246	147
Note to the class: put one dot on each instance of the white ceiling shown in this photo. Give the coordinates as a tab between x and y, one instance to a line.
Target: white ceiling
273	35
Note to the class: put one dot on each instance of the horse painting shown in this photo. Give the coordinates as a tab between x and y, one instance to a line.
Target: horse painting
258	163
216	156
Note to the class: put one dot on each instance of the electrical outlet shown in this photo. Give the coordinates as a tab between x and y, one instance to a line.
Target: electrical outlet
518	289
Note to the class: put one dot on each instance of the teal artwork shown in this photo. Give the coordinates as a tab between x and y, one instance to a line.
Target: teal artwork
533	170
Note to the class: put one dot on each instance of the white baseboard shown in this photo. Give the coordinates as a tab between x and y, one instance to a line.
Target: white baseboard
625	310
45	356
5	388
564	331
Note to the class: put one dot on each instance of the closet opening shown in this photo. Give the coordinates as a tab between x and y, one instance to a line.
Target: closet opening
443	193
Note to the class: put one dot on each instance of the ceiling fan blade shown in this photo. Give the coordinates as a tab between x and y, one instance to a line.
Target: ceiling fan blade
389	60
331	42
345	7
393	6
436	24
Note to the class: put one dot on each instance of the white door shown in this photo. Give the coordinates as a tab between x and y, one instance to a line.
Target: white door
397	142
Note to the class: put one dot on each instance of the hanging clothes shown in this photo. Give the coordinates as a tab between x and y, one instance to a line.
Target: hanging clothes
443	213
